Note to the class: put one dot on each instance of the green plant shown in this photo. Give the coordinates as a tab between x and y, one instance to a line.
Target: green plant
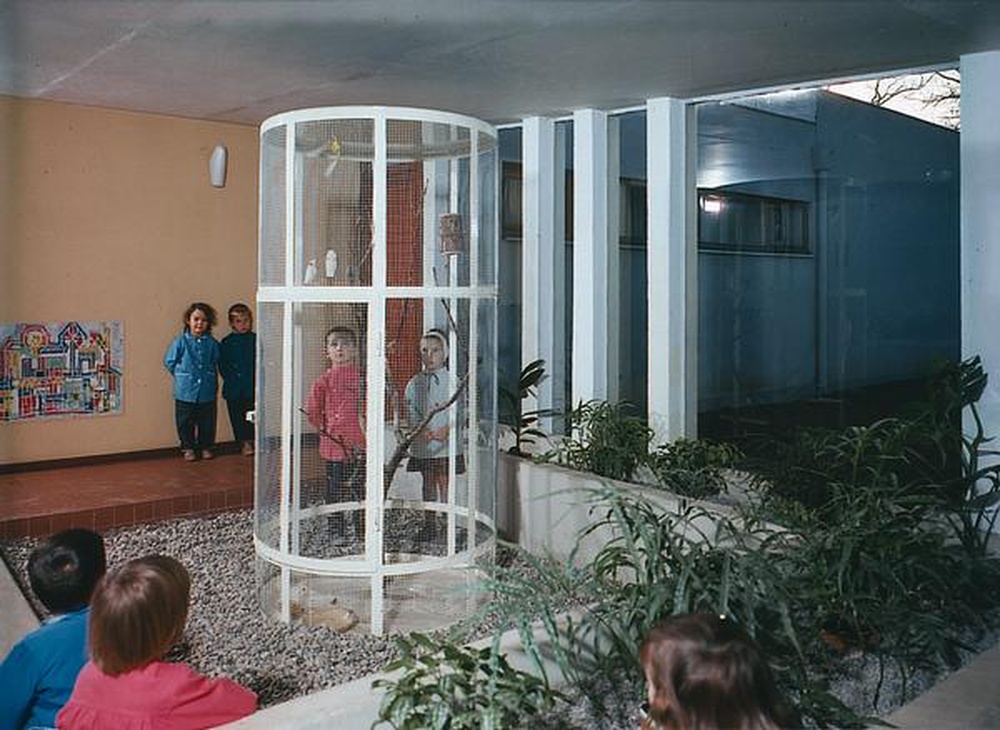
606	439
970	483
693	467
524	423
443	685
872	505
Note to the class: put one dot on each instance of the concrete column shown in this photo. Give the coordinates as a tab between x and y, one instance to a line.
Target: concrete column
980	223
590	255
671	261
538	254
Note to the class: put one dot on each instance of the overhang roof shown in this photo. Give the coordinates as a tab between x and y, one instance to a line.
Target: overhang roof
500	60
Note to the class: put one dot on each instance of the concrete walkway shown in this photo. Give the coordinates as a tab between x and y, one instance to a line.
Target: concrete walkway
16	616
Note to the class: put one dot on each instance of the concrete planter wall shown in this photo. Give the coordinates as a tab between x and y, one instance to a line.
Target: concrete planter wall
544	507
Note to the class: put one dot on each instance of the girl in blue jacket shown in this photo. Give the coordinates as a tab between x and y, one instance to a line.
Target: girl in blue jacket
193	361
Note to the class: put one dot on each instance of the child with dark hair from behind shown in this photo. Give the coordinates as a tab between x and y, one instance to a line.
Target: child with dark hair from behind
37	676
704	672
138	613
237	353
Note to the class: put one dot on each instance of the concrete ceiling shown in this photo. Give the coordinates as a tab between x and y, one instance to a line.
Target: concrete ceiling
500	60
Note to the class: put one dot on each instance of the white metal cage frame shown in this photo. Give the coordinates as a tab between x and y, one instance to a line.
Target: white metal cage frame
374	502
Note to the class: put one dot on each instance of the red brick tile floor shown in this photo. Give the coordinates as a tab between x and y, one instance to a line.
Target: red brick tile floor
121	493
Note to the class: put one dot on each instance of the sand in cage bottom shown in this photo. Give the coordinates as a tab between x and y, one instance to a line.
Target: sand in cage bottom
417	602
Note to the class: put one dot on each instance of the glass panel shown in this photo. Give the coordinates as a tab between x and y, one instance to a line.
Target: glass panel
632	276
509	274
845	329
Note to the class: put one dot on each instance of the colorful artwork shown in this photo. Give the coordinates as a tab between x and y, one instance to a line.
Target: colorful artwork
60	369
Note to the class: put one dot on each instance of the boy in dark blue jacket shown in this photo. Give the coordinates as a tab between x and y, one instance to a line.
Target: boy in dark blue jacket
237	355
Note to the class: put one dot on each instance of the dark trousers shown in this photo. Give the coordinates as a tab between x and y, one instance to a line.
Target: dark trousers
195	424
242	428
345	482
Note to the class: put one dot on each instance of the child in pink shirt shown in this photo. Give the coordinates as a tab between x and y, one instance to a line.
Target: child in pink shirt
335	406
137	613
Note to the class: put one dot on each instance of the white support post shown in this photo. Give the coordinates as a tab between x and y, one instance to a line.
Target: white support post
375	432
671	264
590	255
538	248
980	226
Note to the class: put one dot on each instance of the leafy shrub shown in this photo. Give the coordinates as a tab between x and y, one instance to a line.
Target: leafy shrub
881	549
693	468
606	439
444	685
524	423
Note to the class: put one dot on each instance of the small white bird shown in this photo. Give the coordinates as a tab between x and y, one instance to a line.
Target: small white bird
310	275
331	263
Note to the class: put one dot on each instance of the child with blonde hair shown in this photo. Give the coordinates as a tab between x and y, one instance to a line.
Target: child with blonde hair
426	394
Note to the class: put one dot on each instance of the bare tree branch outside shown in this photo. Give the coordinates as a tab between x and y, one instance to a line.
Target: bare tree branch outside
933	96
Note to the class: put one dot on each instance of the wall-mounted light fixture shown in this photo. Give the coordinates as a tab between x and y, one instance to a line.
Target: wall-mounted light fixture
217	166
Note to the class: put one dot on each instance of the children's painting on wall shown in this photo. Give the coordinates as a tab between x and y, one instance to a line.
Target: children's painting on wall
60	369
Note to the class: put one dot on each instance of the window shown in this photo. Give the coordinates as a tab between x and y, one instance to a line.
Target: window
632	212
511	188
744	223
510	200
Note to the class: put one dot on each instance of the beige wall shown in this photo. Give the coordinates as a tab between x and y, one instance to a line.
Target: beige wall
110	215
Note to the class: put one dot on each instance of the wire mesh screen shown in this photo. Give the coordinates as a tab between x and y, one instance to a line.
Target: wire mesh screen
330	440
428	383
334	198
376	482
486	252
271	259
270	454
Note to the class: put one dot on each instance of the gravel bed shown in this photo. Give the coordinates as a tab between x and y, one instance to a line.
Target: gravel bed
227	635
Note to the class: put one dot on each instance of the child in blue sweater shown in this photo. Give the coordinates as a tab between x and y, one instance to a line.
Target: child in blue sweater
193	360
37	676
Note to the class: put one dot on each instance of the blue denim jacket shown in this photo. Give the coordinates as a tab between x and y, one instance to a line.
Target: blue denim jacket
194	363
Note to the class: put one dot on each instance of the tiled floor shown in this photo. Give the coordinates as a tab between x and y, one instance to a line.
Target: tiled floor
99	496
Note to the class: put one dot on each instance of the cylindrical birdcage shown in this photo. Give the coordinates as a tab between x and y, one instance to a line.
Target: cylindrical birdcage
375	486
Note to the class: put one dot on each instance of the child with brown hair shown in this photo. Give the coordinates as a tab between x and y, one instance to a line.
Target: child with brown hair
703	672
193	361
137	613
335	407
